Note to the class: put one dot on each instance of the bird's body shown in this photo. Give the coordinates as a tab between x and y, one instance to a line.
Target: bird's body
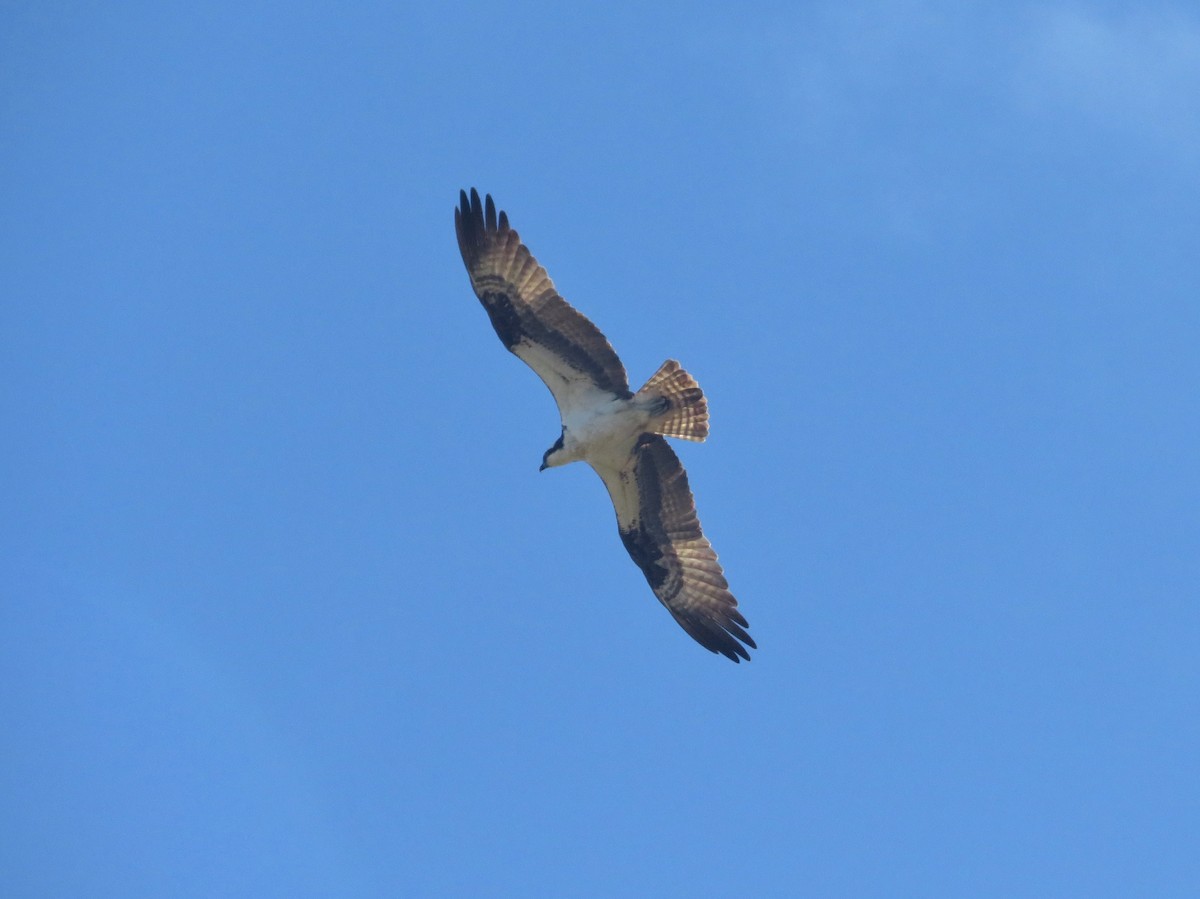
602	432
619	433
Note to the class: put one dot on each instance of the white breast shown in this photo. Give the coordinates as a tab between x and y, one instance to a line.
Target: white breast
604	430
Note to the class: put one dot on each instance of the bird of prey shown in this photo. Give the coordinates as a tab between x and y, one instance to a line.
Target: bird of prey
619	433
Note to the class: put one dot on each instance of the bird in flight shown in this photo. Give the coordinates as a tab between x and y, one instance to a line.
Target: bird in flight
619	433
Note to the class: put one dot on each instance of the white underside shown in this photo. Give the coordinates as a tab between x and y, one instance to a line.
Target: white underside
601	433
600	427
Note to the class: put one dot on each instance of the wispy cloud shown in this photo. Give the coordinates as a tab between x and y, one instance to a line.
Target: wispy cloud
1138	73
838	69
918	114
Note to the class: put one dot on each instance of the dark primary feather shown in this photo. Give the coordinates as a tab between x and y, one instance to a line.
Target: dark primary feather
523	305
661	531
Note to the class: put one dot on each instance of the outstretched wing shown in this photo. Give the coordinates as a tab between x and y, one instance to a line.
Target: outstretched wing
657	519
559	343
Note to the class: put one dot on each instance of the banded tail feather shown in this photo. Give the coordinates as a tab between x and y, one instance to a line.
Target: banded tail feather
686	410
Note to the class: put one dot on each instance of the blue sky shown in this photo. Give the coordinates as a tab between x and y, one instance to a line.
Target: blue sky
287	608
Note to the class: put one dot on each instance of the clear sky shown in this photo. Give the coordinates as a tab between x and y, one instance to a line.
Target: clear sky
286	607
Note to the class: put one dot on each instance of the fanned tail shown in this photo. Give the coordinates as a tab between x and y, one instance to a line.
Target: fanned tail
684	411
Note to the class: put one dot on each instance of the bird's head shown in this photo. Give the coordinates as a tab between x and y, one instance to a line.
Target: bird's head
553	456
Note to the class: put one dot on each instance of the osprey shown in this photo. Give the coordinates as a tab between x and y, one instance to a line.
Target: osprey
617	432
